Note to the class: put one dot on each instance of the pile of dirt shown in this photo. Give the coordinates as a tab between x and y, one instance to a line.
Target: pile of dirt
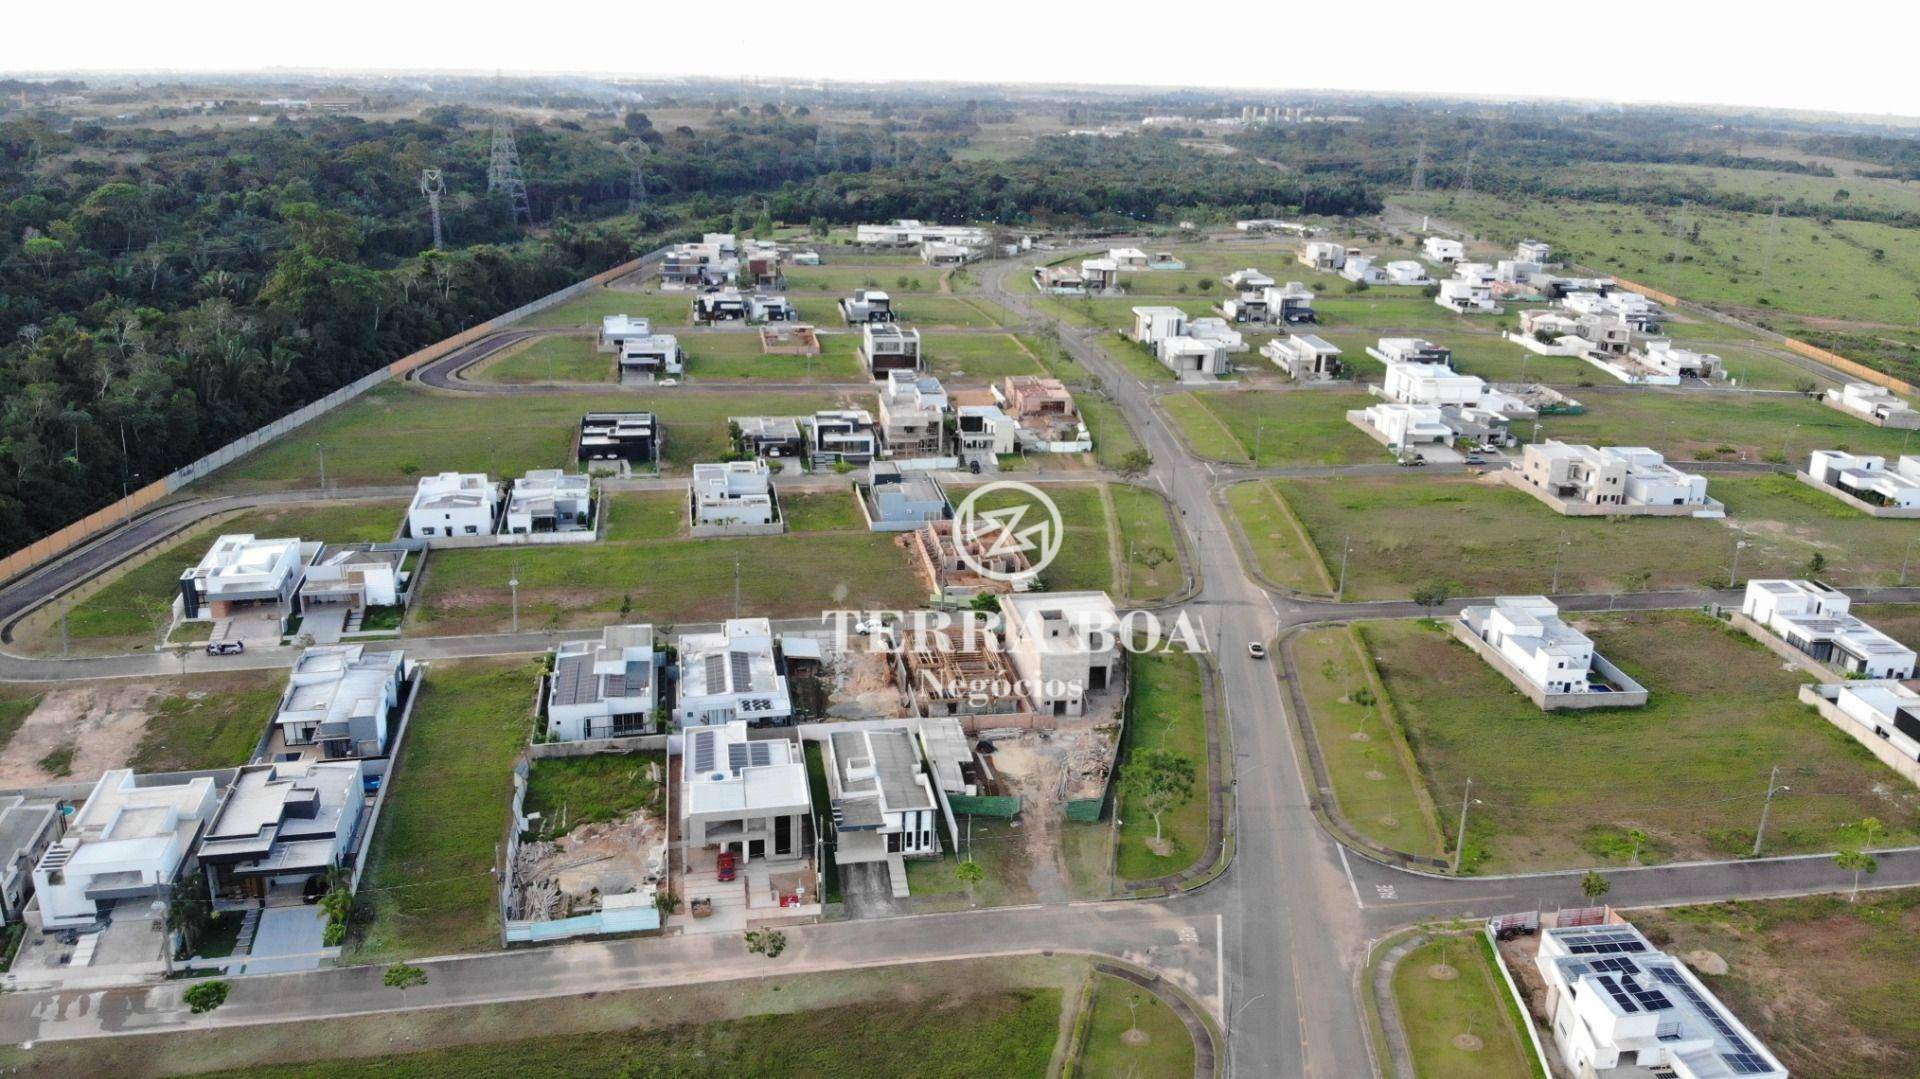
555	879
860	686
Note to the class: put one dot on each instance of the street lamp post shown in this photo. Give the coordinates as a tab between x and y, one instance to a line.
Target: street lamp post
1460	841
1733	578
513	585
322	451
1773	788
1558	549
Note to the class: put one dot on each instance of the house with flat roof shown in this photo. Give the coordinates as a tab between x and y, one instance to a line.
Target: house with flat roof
1867	482
714	260
1220	332
1433	384
1580	479
900	500
1322	255
1100	274
130	840
453	504
724	494
1247	280
609	688
1554	664
655	355
907	232
1366	270
280	825
881	798
1881	714
1468	294
1619	1007
548	500
340	701
913	415
770	436
1533	251
1406	272
619	436
616	330
242	572
1441	249
1411	350
1128	258
942	253
744	795
1287	305
1063	280
1875	404
734	673
1640	314
1304	357
846	434
1813	619
867	305
27	829
1063	646
984	431
1197	357
719	305
357	576
1153	324
767	307
888	346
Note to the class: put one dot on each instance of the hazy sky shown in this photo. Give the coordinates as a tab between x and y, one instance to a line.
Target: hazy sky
1848	56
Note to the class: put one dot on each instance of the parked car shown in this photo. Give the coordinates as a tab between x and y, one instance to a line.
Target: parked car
226	648
724	866
1474	459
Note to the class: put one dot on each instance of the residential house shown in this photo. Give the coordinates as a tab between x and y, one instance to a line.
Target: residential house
1063	646
1433	384
760	266
867	305
619	436
1641	314
732	674
888	346
1659	354
1605	335
1304	357
1403	427
1614	476
770	436
1407	272
1323	255
1154	324
280	825
607	688
242	572
1248	280
910	233
1466	295
27	829
744	795
340	701
1364	270
1875	404
1195	356
129	841
913	415
1441	249
842	435
1044	413
732	493
1814	619
1618	1006
765	307
1411	350
1219	331
357	576
1533	251
881	799
453	504
1099	274
1868	478
1165	260
1062	280
950	562
651	356
984	431
616	330
1888	709
898	500
1127	259
1290	304
713	261
806	258
941	253
1550	661
719	305
548	500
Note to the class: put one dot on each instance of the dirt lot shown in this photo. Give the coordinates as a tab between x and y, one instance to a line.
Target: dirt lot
608	858
1047	769
860	686
203	721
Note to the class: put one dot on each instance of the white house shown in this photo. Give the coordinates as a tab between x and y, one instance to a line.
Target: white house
984	430
1618	1006
1411	350
1063	646
1868	478
651	355
1610	476
241	572
845	434
1813	618
1441	249
1186	355
881	797
1533	251
1099	274
453	504
733	493
358	575
732	674
1875	404
1659	354
907	232
1128	258
1152	324
618	329
1407	272
1552	658
1248	280
1403	426
340	700
606	688
129	840
1323	255
1366	270
1220	332
1304	357
1466	295
1886	707
548	500
913	413
744	795
942	253
1432	384
1638	312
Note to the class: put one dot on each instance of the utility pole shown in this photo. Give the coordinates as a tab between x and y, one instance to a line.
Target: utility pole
432	186
1558	550
1772	789
1903	561
1346	548
1733	578
736	588
513	584
1460	840
503	172
322	451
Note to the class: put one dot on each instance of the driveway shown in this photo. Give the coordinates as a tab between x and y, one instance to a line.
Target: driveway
324	622
867	890
288	938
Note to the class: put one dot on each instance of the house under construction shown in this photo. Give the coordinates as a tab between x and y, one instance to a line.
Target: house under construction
940	677
789	339
954	579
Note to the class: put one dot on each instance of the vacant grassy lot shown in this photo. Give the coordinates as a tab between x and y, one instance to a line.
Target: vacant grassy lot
1483	537
1819	979
1113	438
979	357
1119	539
555	358
131	604
927	312
1119	1006
822	511
1374	776
1286	427
570	791
716	356
997	1017
1143	521
644	515
398	433
1752	427
210	721
1722	714
666	309
1165	710
1467	997
429	881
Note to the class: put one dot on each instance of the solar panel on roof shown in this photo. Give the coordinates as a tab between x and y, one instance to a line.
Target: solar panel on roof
1619	964
1745	1063
742	665
1598	943
716	669
1619	995
703	752
1709	1012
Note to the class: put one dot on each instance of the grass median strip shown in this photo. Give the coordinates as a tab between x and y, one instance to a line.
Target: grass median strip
1453	1007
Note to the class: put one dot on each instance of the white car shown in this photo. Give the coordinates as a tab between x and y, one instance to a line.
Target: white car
1256	650
669	382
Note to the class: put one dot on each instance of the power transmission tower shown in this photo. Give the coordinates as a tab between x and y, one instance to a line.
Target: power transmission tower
503	172
1773	235
826	148
432	186
1467	183
635	152
1420	167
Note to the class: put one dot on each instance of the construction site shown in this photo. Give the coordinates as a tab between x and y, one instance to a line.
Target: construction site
560	870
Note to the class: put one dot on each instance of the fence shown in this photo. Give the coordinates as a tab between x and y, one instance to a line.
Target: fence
117	513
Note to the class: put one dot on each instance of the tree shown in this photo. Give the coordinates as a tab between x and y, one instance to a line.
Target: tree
1431	595
1157	780
767	942
1638	839
1856	862
1816	564
204	997
969	873
1593	885
403	976
1135	462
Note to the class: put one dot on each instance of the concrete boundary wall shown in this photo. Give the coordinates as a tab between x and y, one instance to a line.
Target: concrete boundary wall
1861	504
1528	1027
1908	768
1779	647
1566	507
117	513
1553	702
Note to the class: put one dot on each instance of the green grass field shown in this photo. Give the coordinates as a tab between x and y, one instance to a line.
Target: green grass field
568	792
1469	998
132	606
556	358
1166	710
976	357
1281	551
1754	427
1816	978
208	722
1286	427
725	356
1100	521
1689	769
1113	437
398	433
429	880
928	311
822	511
666	309
1119	1006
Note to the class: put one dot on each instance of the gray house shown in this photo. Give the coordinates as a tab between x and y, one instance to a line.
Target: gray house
899	501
